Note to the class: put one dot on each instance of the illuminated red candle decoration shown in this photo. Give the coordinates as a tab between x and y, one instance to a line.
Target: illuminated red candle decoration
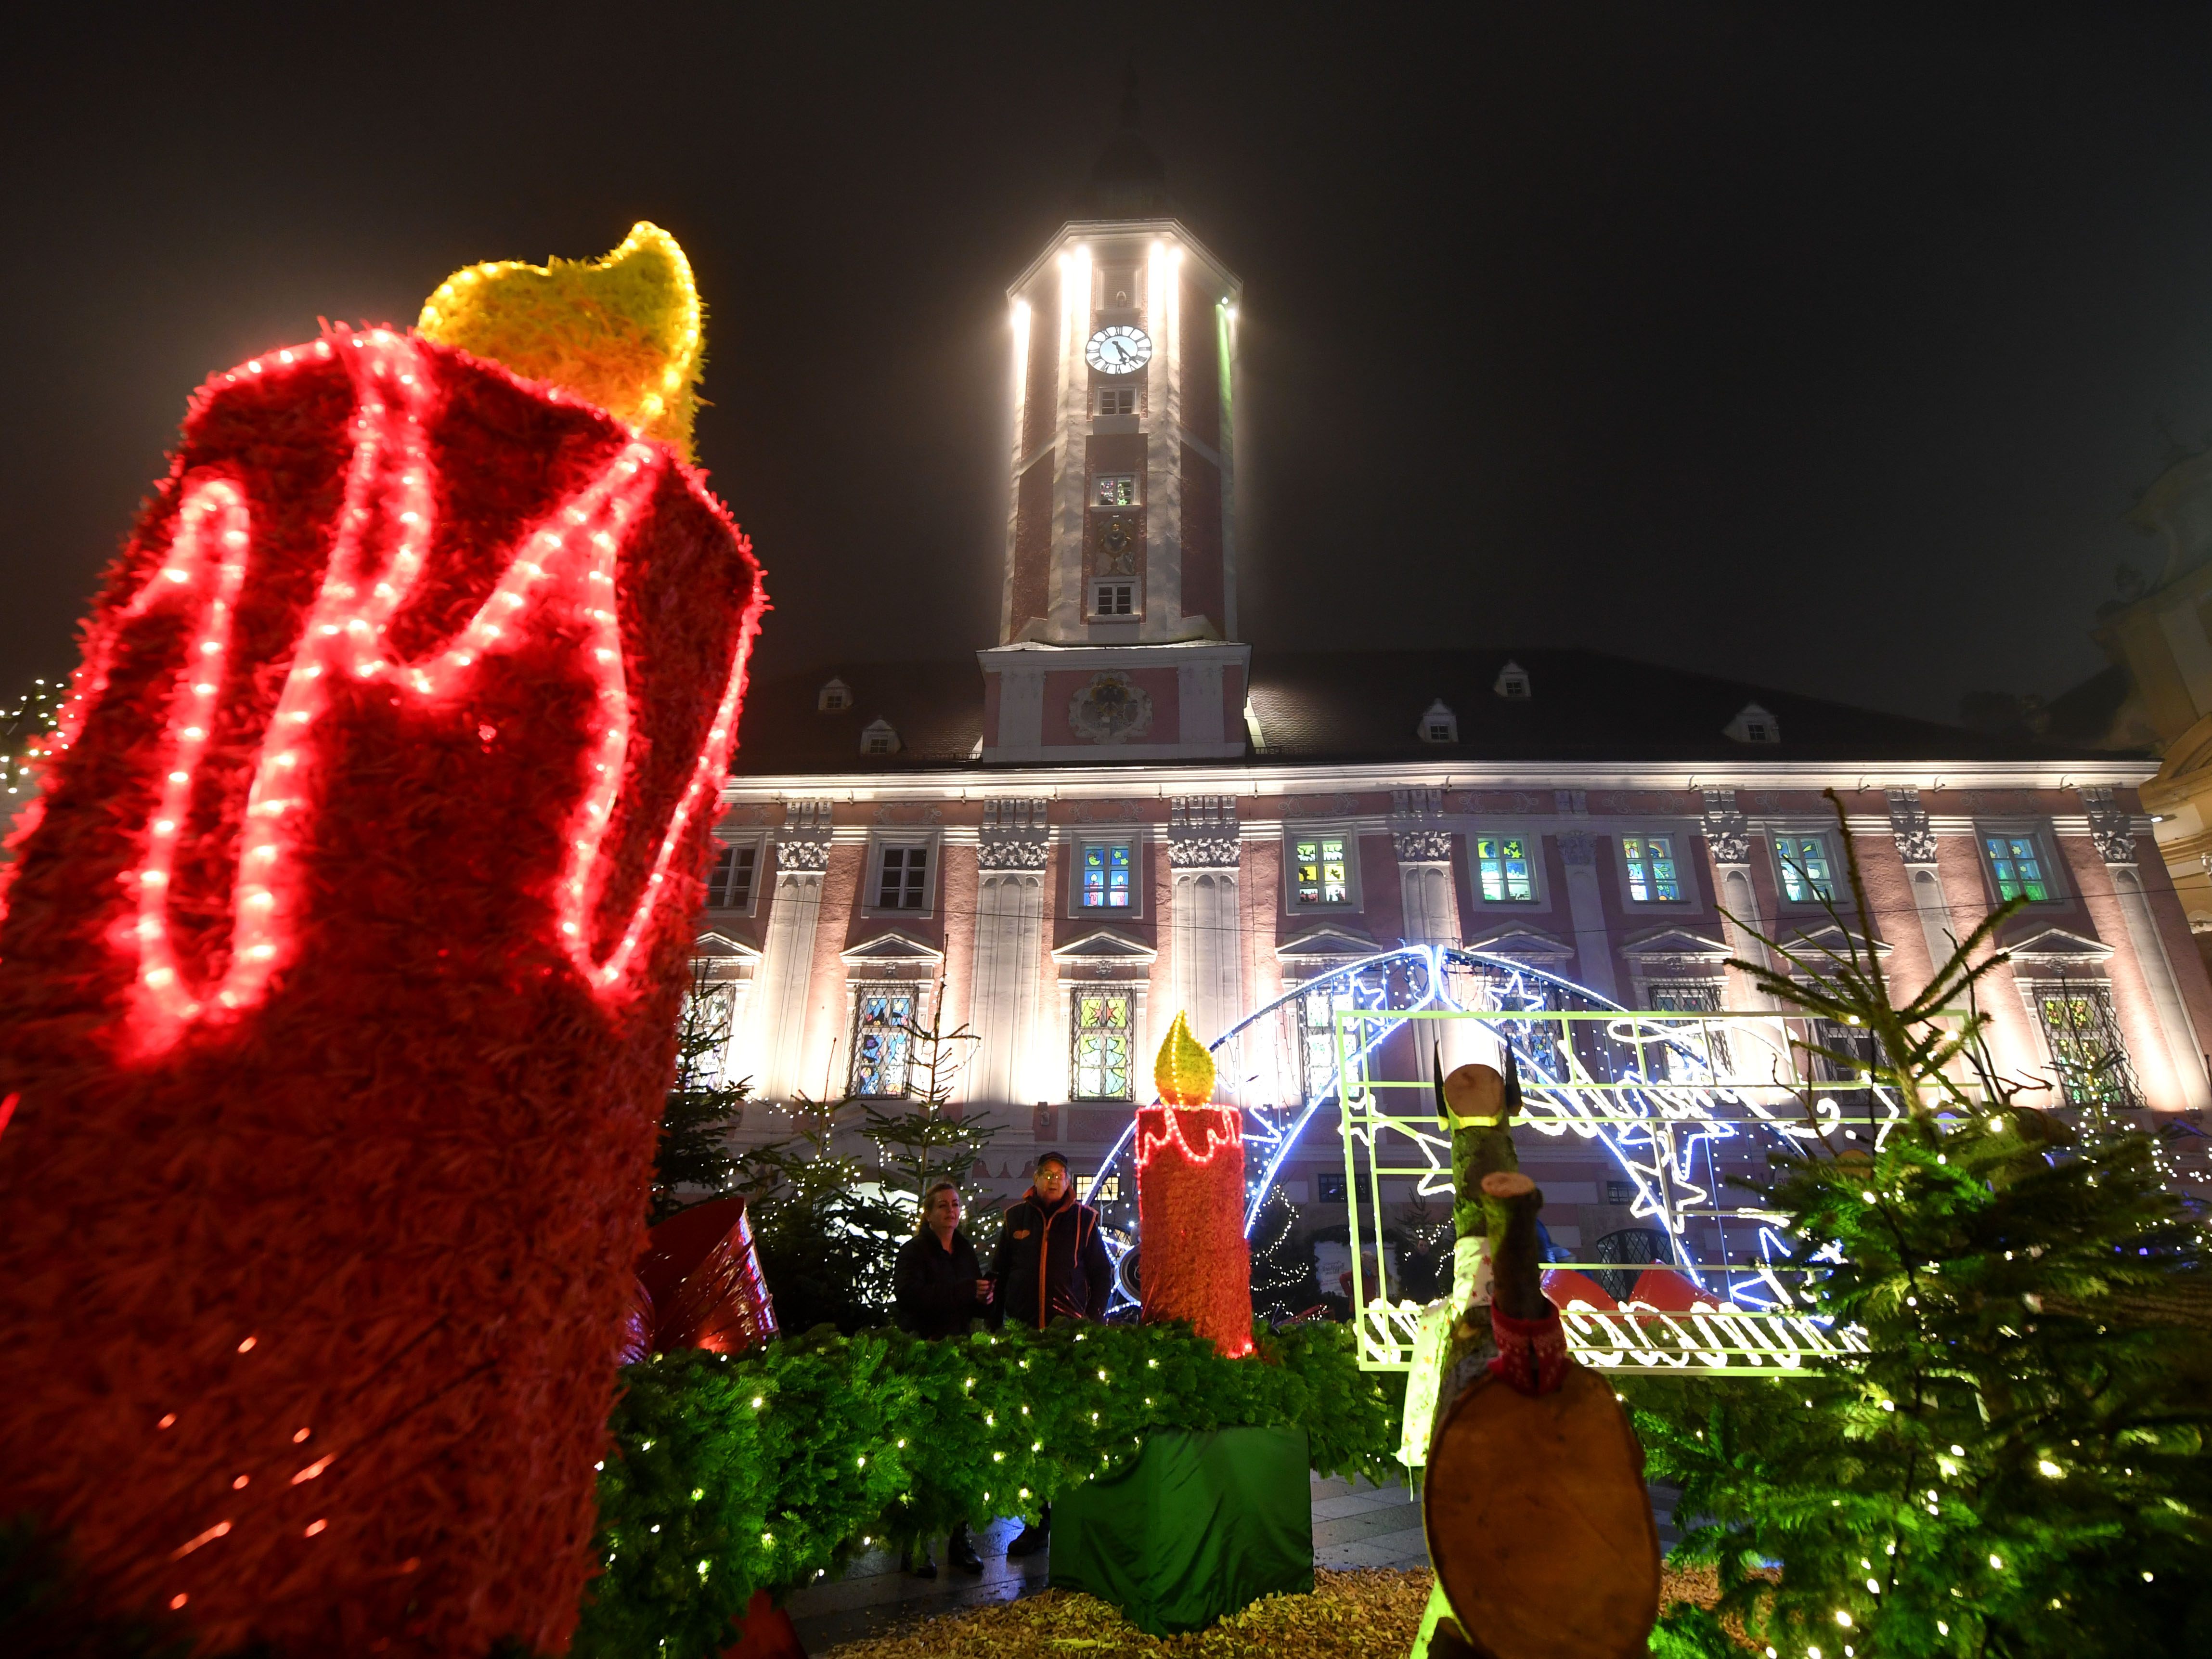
1190	1200
340	970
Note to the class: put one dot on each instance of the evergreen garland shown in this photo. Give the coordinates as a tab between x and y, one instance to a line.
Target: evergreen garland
765	1470
2017	1463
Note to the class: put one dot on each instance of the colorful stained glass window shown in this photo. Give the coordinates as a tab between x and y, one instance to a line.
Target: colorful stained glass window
905	878
1114	489
1320	865
1501	863
883	1028
2018	867
1106	875
1653	875
1807	876
1103	1043
2085	1046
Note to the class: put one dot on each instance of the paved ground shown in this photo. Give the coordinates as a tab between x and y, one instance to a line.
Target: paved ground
1354	1525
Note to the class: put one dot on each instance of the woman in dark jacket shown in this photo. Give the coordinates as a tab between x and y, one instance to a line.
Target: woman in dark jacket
940	1287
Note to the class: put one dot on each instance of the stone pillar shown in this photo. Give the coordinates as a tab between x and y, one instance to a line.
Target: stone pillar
1909	827
1424	847
777	1027
1002	999
1578	848
1727	840
2113	833
1206	929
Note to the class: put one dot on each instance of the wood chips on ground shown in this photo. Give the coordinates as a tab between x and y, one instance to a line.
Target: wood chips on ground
1370	1615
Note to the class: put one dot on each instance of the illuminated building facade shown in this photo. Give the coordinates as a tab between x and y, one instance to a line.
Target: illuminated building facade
1120	808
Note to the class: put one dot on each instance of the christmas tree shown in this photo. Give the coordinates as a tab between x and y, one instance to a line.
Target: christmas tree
929	1141
2016	1463
692	1161
1285	1281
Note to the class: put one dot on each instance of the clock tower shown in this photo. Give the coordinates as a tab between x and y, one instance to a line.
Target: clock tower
1117	621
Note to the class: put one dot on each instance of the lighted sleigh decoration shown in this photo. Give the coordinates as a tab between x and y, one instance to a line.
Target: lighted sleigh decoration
341	964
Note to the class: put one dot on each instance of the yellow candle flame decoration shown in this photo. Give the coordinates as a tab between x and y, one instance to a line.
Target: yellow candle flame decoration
1184	1071
626	332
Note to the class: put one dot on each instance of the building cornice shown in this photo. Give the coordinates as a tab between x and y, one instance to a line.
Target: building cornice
1059	239
1105	779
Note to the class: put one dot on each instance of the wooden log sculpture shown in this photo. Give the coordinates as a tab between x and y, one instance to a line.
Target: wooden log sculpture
1539	1524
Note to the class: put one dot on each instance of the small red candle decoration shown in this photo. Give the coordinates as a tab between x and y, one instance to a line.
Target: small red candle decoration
1190	1200
340	968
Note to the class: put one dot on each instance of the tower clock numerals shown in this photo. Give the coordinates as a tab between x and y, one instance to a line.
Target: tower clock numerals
1121	349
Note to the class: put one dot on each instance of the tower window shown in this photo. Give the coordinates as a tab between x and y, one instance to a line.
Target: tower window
1654	878
1114	490
730	885
1114	598
1114	400
904	881
1502	867
1807	875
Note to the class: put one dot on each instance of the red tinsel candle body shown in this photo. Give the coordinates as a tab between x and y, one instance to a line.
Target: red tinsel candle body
1190	1214
340	970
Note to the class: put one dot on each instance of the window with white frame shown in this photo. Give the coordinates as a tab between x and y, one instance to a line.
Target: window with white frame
883	1035
2017	865
1806	868
1114	400
1113	596
730	885
1102	1051
834	695
1105	877
1505	868
2086	1047
1320	866
1114	490
879	739
1654	876
902	877
1440	723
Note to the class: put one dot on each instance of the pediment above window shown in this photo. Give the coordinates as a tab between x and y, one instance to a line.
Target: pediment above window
2055	947
1829	937
1104	947
1529	944
1665	946
891	950
719	947
1330	944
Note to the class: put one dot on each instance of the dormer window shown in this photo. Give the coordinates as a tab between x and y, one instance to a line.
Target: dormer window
833	696
878	738
1512	682
1439	725
1753	725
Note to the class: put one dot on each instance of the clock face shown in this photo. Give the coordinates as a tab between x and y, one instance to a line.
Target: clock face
1121	349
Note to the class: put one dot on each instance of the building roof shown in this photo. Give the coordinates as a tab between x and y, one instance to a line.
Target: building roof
1340	706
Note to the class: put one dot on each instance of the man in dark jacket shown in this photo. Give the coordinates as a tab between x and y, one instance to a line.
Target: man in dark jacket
1050	1264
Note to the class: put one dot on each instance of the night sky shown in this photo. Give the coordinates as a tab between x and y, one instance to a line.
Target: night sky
1824	350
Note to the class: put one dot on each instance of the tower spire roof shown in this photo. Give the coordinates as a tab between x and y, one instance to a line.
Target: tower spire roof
1128	180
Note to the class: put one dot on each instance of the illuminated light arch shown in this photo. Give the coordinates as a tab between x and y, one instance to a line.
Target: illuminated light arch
1688	1110
562	565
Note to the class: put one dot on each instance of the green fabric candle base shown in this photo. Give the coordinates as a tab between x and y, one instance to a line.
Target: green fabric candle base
1201	1525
